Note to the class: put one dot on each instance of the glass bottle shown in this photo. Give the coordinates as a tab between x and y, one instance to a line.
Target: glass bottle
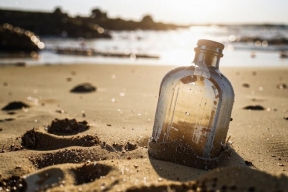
193	111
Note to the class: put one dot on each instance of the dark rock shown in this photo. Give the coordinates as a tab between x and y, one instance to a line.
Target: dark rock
11	36
254	107
246	85
83	88
248	163
15	105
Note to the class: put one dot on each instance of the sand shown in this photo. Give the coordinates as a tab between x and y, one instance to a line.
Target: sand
111	154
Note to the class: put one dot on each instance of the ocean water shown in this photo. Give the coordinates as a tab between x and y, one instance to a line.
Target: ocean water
245	46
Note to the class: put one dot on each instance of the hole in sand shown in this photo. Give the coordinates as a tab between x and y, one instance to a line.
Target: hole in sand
90	172
67	126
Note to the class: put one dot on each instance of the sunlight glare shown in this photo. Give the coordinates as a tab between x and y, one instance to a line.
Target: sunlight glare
100	30
230	47
257	43
264	43
41	45
232	38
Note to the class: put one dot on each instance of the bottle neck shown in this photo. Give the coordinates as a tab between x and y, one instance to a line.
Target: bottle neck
210	58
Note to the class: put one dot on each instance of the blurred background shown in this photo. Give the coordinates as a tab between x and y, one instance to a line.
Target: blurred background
255	32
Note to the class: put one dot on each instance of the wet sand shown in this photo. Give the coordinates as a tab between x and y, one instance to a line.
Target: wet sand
119	106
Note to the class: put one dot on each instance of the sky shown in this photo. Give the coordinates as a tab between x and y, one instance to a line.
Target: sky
168	11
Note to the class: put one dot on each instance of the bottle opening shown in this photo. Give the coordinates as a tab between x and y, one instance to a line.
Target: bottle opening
210	43
210	46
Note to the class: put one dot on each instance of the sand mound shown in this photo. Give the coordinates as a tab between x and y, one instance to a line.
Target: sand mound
40	140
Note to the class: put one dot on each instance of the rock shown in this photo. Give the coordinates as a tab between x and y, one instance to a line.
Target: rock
15	105
246	85
10	37
255	107
83	88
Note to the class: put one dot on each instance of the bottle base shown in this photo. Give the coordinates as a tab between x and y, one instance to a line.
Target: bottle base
177	152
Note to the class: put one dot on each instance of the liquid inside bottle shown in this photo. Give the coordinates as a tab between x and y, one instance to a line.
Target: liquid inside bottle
193	110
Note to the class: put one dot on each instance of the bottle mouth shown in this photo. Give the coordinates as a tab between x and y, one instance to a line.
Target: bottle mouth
213	50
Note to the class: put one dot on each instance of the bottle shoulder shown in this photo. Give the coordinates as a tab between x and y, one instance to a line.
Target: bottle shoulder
178	72
172	75
222	79
190	74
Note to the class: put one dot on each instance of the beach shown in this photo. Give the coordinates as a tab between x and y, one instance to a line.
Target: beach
110	154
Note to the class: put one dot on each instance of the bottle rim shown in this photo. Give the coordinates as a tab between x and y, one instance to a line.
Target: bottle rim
210	43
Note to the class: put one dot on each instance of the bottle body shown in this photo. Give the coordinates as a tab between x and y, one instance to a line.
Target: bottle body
193	113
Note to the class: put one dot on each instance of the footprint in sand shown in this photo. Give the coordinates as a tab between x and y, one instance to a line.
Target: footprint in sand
82	155
40	140
90	171
93	151
37	139
53	177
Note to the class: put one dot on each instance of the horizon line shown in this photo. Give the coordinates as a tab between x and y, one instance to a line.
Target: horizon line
262	23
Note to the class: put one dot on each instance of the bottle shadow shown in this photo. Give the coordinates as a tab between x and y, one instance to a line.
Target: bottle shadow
176	172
